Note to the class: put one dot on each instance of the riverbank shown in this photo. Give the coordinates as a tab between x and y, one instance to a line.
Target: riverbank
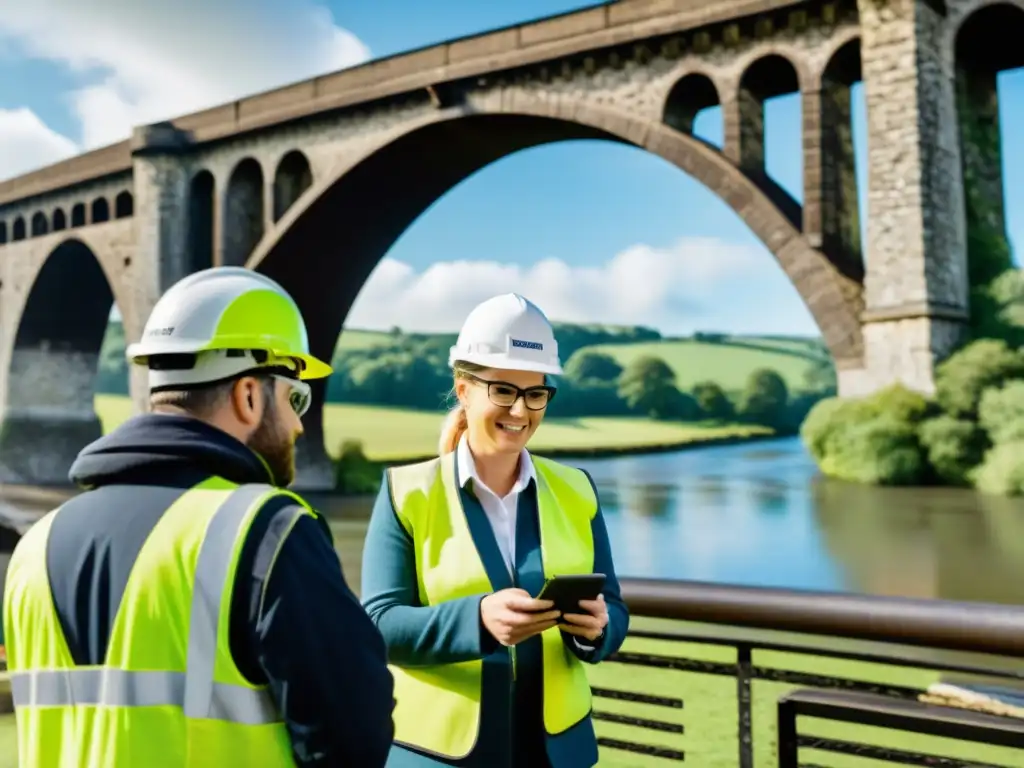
394	435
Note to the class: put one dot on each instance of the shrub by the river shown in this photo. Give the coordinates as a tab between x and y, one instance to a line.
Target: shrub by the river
962	378
953	447
1001	412
871	439
972	434
880	451
1002	471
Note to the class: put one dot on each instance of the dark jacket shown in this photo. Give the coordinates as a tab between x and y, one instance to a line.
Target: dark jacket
322	657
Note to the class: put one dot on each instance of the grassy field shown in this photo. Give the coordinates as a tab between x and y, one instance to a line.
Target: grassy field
727	364
391	433
709	713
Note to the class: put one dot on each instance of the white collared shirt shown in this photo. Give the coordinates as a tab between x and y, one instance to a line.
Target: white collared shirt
500	510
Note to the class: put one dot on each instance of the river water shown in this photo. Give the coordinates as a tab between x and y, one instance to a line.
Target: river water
759	514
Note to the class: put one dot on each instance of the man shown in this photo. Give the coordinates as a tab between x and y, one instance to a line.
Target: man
197	610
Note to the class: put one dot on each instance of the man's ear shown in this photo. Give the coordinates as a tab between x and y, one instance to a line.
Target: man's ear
247	401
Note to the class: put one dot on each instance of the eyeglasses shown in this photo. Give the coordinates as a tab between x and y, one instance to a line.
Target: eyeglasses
300	396
504	395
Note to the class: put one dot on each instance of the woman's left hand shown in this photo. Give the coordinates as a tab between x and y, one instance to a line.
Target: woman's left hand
589	625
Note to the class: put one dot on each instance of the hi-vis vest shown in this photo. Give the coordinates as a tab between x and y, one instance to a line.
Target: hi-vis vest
438	707
168	694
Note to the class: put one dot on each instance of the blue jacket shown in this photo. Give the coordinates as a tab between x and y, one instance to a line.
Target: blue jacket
312	644
511	727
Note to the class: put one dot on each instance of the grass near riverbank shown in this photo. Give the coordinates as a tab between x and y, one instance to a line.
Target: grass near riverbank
709	713
392	434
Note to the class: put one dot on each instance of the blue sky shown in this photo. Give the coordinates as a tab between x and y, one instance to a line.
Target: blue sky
563	223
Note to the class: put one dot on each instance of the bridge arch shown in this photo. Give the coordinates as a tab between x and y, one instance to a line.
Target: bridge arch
690	95
52	362
348	221
293	177
243	211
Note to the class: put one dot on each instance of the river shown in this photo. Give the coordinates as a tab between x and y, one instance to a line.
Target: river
759	514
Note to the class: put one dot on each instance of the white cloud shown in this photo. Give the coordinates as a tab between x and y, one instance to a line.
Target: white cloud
141	61
26	142
676	289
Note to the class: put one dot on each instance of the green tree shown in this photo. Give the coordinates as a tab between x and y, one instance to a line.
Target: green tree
821	377
764	398
590	365
648	386
712	401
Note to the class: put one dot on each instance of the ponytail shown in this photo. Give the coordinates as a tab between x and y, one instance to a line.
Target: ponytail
452	430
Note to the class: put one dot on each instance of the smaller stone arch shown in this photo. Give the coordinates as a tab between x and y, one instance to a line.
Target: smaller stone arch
767	77
100	210
986	42
78	215
40	226
201	208
690	95
831	204
3	232
293	177
124	205
244	214
60	220
18	229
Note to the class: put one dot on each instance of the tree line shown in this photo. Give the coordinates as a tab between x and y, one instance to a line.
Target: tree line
410	370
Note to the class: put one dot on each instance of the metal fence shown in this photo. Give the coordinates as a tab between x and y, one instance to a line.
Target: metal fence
828	643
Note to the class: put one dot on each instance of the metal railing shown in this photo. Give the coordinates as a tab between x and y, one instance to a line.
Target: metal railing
848	661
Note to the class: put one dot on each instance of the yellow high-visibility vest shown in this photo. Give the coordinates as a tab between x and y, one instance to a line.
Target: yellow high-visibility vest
168	693
438	707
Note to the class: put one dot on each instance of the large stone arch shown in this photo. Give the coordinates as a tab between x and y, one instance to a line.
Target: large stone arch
324	248
55	313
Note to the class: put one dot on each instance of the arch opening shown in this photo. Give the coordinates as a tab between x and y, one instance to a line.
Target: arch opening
691	99
40	226
200	222
60	220
49	413
832	196
986	49
243	212
100	210
18	229
324	263
124	205
3	232
78	215
293	177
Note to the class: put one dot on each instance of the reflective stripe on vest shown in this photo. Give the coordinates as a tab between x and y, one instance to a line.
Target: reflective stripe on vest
438	707
217	722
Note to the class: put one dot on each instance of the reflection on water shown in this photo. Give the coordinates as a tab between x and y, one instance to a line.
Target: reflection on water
759	514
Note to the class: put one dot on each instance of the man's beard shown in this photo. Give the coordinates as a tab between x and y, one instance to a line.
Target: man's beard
276	446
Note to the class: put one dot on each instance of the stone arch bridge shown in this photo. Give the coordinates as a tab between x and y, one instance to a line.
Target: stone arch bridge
313	182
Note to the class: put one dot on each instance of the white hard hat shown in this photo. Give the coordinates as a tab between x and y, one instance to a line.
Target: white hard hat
220	322
508	332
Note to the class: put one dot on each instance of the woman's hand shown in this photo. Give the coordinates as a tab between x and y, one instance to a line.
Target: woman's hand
591	624
512	616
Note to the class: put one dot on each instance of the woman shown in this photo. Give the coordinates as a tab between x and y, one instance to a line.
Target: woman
458	548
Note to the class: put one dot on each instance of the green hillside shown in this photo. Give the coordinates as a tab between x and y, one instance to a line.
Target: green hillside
728	364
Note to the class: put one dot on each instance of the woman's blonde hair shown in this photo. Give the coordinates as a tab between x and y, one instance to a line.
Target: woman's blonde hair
455	423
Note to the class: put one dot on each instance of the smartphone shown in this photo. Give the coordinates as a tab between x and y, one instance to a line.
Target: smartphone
567	591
